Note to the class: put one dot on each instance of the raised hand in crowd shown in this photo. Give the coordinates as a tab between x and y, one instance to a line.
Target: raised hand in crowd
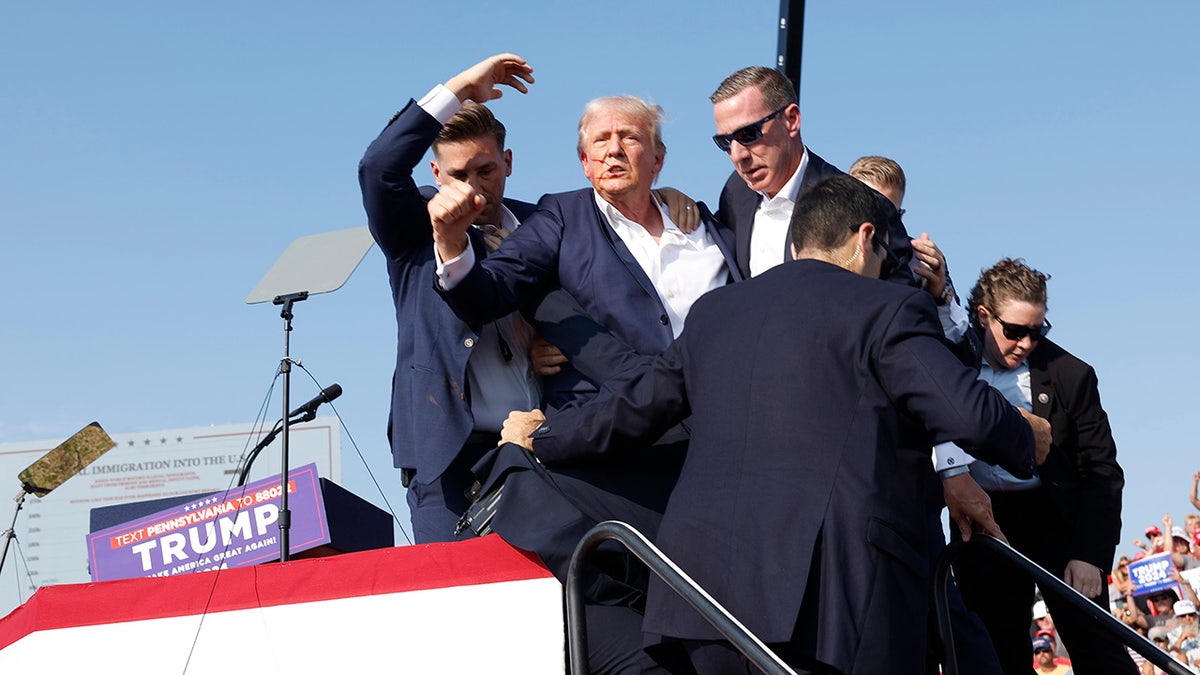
1195	485
1188	592
1131	616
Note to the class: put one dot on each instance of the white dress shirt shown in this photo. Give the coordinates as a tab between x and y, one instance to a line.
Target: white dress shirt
770	236
681	266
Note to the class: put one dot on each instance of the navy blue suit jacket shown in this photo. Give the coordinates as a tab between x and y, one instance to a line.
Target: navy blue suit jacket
430	414
568	243
738	204
815	395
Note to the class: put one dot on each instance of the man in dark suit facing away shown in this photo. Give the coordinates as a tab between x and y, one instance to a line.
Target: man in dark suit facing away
815	392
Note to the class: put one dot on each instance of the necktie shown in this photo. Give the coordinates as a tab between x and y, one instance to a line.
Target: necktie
492	237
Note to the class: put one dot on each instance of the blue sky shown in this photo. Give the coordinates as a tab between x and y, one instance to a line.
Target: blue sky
156	158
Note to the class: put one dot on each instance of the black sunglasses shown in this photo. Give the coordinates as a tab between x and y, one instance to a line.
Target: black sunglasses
1016	331
747	135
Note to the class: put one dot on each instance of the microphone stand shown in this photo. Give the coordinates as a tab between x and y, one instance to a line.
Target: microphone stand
285	367
245	473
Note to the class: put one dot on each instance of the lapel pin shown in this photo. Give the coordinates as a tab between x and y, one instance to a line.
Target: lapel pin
1043	398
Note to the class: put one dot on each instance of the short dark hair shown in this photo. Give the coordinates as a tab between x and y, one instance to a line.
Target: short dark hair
776	89
831	211
473	121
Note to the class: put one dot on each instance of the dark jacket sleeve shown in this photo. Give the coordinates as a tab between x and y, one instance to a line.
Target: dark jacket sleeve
589	347
522	271
635	412
1082	469
925	379
396	208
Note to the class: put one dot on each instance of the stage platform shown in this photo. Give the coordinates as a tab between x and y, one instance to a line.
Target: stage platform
466	607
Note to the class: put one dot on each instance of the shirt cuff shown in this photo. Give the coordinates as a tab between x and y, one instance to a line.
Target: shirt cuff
440	103
949	455
451	272
954	321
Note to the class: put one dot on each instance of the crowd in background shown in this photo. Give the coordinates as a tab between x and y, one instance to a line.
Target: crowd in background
1168	618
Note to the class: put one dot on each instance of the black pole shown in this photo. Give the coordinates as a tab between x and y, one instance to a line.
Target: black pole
791	40
285	366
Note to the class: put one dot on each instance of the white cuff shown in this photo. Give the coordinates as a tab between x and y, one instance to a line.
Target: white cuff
452	272
949	455
440	103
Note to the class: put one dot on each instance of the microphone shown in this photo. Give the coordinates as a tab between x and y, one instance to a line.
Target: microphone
327	395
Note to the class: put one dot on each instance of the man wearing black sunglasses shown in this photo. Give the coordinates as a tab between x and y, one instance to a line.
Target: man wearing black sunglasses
758	126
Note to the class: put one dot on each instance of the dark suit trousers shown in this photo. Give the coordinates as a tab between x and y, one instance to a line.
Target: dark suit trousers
436	506
1003	597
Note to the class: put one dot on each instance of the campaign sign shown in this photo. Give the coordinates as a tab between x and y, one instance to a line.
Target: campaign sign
1152	574
235	528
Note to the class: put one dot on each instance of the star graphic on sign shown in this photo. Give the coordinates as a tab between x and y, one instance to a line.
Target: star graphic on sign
162	441
147	441
131	443
179	439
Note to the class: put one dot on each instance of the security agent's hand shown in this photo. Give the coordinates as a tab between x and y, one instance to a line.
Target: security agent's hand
970	507
1041	434
479	82
545	357
452	210
929	263
519	426
1083	577
681	209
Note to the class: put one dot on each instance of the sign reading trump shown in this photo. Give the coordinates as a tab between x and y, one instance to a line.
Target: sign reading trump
1152	574
235	528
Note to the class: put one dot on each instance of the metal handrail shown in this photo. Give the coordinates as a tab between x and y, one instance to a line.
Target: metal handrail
1049	584
681	583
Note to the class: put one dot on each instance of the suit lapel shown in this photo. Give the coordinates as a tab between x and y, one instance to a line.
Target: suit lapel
623	254
1041	388
724	238
744	203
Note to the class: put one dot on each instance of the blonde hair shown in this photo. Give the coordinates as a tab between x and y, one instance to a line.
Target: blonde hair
647	113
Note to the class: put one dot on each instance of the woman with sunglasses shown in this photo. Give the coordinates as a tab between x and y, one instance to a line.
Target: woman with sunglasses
1068	519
